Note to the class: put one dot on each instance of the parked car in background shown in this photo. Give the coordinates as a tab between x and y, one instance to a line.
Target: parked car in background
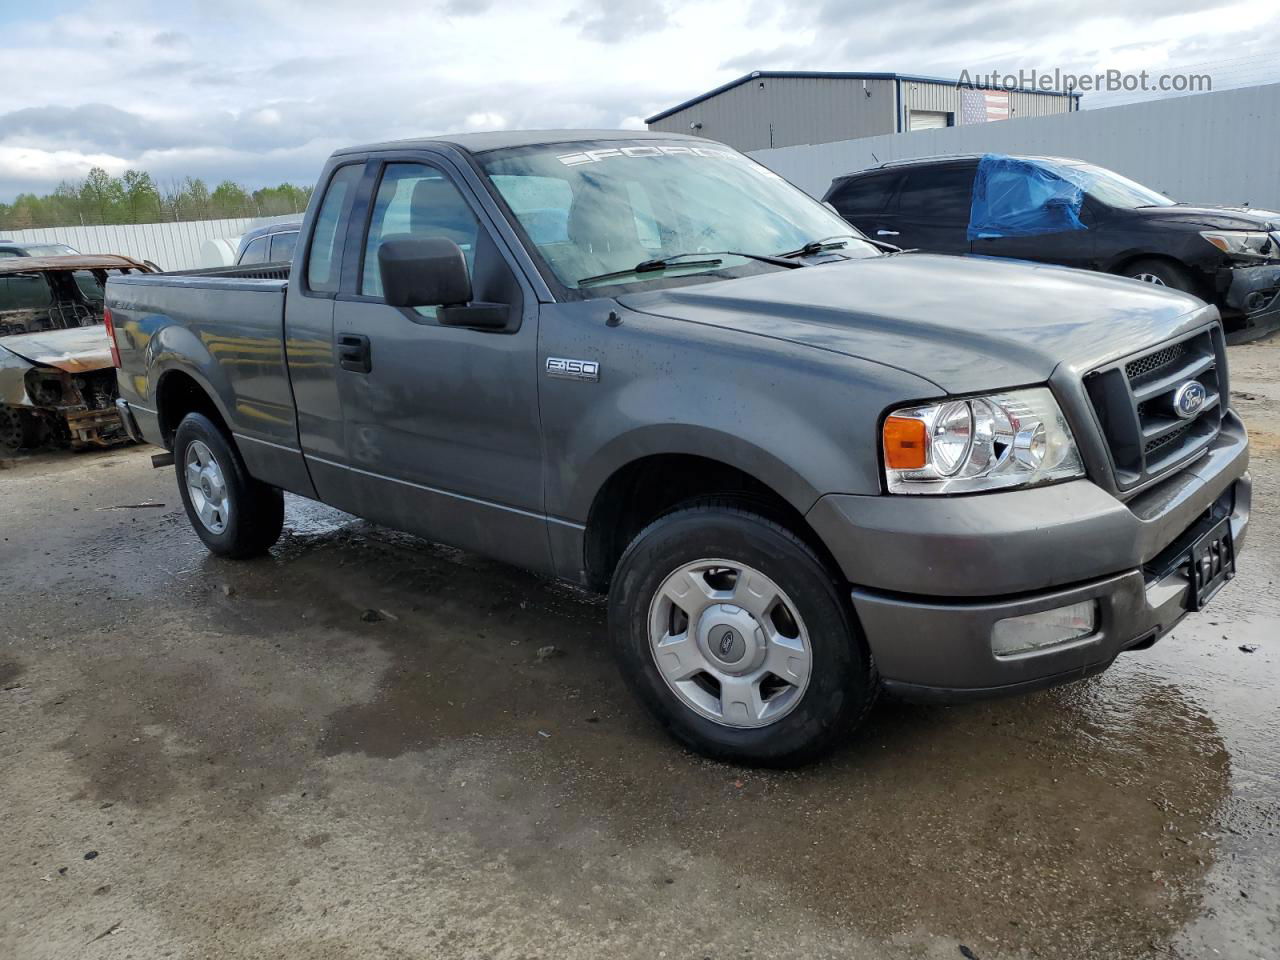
1056	210
16	248
57	380
273	243
802	468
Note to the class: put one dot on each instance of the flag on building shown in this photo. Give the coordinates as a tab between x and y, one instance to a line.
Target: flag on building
982	106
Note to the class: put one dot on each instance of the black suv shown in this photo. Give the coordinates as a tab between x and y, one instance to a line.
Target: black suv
1073	213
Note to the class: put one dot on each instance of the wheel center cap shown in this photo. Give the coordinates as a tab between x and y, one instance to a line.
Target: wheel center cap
727	644
207	487
731	638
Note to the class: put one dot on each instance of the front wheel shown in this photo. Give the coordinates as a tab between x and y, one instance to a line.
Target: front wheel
737	638
235	515
1162	273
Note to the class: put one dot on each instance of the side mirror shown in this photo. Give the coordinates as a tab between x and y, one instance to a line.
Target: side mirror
423	272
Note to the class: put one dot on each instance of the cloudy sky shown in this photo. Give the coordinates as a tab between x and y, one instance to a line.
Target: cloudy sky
262	90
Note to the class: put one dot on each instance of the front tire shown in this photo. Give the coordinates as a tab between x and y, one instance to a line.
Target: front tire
1162	273
235	515
737	637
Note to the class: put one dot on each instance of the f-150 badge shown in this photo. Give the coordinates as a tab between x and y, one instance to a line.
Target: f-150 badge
565	369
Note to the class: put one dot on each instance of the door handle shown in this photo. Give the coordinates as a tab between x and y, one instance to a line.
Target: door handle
354	353
886	233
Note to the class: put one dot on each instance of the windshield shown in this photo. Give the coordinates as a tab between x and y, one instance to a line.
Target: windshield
1110	188
593	209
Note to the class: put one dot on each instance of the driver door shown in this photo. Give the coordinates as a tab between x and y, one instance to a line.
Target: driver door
440	423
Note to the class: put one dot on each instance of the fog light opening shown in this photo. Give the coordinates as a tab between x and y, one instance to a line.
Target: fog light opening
1043	631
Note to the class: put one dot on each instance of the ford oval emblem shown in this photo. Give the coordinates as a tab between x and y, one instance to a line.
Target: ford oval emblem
1188	399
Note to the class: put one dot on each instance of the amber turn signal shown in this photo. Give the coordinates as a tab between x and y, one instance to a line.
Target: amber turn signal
904	443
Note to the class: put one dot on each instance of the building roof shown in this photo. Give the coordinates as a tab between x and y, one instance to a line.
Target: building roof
80	261
826	75
501	139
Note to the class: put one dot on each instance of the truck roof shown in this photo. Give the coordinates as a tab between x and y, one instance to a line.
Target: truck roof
501	139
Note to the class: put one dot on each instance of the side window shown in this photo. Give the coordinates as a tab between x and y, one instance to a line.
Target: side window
421	201
324	261
25	291
938	194
256	251
282	245
864	196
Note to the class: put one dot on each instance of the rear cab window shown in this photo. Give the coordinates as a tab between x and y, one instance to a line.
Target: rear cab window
324	258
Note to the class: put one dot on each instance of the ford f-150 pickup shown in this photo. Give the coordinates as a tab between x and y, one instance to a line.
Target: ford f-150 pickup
805	466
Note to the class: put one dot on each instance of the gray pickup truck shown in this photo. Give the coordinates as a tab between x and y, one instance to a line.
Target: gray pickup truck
805	467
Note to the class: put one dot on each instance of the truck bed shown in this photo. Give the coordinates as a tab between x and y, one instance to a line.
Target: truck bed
222	328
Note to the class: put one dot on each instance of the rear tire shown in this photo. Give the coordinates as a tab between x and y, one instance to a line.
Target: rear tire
761	599
1162	273
235	515
18	431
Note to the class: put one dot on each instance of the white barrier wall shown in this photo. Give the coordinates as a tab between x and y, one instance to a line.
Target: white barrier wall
174	246
1221	148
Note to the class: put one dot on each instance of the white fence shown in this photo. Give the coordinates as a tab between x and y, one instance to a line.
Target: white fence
174	246
1219	148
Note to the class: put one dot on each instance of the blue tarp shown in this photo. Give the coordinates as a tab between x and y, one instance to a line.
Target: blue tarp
1013	197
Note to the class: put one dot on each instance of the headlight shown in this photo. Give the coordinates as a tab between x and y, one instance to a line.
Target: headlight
1012	439
1253	246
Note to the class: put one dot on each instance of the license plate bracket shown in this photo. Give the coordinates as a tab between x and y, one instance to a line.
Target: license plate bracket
1212	564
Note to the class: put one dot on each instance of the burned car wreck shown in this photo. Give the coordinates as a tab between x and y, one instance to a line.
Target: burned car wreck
57	380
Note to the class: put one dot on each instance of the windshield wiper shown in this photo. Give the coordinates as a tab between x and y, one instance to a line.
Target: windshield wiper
838	242
680	260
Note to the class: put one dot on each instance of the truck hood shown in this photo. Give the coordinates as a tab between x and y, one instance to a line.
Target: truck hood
76	350
1214	218
963	323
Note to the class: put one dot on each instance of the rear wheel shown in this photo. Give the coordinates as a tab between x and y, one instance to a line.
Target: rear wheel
235	515
736	636
1162	273
17	430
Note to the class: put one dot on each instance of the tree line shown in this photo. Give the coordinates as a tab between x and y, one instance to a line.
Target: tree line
135	197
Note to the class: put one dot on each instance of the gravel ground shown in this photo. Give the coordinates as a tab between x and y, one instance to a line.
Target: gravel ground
201	758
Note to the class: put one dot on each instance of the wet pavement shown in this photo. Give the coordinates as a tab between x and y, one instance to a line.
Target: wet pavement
262	767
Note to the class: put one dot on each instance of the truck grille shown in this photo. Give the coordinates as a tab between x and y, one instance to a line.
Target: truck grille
1133	399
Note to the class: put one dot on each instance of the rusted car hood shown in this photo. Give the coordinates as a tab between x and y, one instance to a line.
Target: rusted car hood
77	350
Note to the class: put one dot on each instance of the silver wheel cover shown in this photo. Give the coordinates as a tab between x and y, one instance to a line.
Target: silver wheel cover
207	487
729	643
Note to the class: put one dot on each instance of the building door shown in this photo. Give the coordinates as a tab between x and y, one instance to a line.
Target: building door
929	120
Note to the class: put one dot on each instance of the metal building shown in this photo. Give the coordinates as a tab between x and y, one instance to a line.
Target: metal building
769	108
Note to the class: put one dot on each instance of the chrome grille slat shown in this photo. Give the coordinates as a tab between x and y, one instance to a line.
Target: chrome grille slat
1169	380
1133	399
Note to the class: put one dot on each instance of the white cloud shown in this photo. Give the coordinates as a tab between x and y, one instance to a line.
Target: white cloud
33	166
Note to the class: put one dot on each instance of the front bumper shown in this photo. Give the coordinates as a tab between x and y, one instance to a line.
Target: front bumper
1253	293
933	575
